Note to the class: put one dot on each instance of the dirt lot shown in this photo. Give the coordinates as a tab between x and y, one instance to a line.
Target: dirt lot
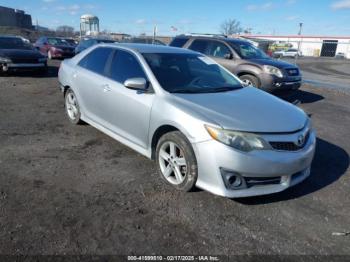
68	189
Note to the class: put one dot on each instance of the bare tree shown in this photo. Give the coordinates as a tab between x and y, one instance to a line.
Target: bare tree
65	30
230	27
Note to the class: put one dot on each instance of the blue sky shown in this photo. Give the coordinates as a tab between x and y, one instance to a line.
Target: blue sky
322	17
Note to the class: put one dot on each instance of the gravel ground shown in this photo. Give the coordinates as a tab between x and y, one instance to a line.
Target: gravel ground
68	189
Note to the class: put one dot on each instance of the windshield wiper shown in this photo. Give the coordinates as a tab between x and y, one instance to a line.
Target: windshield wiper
223	89
206	90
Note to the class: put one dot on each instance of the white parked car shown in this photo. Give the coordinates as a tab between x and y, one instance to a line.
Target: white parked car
287	53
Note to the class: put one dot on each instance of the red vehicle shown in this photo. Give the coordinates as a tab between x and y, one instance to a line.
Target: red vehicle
54	47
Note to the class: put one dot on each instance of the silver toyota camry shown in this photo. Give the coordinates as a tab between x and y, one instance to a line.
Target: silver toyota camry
190	115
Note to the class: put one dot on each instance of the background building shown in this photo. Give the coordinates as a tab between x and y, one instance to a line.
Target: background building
324	46
15	18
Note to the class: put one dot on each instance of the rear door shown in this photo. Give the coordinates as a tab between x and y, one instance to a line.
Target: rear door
89	83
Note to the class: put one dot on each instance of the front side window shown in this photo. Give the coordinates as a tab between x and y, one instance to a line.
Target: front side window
124	66
190	73
218	49
96	60
248	51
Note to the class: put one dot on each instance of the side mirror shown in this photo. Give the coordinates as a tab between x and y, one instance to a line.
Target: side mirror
137	83
228	56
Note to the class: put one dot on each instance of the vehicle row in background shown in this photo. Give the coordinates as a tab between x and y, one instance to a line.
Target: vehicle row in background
55	47
246	61
292	52
17	54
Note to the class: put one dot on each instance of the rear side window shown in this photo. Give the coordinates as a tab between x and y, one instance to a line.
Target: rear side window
96	60
124	66
218	49
178	42
199	46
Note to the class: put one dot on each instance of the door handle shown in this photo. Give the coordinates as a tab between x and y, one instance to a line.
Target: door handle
106	88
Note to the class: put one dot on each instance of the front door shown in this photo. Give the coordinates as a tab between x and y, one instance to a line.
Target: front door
127	111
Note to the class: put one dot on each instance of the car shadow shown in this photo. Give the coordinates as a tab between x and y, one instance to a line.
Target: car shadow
330	163
304	97
52	72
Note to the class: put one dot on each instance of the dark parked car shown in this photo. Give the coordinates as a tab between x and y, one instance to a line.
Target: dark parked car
16	54
140	40
71	42
248	62
54	47
88	42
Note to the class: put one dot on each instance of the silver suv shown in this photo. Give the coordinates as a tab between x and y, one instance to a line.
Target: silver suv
246	61
192	116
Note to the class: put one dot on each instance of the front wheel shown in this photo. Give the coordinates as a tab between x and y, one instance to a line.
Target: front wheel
72	107
176	161
250	80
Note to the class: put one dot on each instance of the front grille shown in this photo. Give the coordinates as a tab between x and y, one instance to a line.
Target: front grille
260	181
289	146
292	71
25	60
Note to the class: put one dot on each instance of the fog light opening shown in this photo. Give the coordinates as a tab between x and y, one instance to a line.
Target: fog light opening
233	180
278	84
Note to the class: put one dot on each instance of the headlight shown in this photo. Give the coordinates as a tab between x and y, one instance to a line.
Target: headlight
273	71
5	60
242	141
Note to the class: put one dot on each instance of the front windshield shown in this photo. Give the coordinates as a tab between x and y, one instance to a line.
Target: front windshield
14	43
57	41
248	51
190	73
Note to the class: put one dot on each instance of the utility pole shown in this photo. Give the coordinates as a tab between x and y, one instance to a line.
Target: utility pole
299	43
154	34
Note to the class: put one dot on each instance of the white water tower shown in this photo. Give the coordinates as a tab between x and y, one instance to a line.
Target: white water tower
89	25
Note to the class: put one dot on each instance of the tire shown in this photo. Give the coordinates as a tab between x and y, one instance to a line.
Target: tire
250	80
72	108
186	164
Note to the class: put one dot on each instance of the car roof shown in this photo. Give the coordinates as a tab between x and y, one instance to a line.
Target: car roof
149	48
225	39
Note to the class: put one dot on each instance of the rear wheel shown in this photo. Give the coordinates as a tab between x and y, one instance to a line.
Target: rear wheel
250	80
176	161
72	107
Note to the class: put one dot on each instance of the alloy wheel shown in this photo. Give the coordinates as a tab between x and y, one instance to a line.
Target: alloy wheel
72	106
172	163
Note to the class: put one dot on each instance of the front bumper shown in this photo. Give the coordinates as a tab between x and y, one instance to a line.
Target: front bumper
273	84
23	66
291	167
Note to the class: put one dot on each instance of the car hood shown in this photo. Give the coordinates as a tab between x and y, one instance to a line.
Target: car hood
272	62
246	109
20	53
